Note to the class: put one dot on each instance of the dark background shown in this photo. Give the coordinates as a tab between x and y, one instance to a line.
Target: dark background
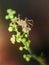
38	10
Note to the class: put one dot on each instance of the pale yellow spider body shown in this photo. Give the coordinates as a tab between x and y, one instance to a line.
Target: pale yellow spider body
22	23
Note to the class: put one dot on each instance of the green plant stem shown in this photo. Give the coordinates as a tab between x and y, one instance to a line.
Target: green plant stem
40	60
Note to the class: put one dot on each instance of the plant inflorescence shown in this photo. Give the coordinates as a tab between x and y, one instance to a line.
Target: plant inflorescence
21	36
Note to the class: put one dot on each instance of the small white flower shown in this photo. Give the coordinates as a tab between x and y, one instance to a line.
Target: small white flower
13	39
10	29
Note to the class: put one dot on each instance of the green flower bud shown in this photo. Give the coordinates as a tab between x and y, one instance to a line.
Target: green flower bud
6	17
27	57
14	12
9	10
24	56
18	34
25	48
24	30
28	43
26	35
11	24
21	48
11	16
18	40
23	40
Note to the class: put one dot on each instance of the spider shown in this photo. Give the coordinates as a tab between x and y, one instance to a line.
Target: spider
23	23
